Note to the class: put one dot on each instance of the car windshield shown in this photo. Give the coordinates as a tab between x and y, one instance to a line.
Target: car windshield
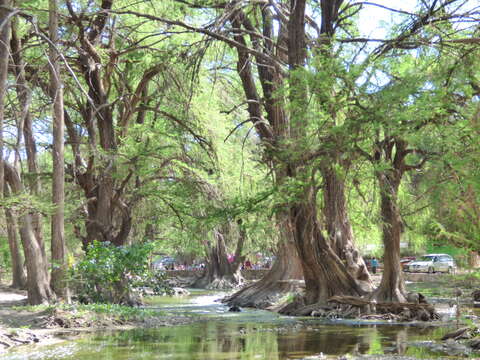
426	258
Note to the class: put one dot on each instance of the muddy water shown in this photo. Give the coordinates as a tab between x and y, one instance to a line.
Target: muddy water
219	334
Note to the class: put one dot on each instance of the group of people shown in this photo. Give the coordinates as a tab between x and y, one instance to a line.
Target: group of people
248	265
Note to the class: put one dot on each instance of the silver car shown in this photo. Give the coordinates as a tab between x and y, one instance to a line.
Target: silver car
433	263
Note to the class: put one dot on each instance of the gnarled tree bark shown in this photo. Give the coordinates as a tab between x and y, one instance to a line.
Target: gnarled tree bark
58	182
5	13
24	95
219	272
392	151
331	265
19	277
38	284
284	277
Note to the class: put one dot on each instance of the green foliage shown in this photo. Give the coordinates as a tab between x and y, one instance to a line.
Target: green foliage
189	161
109	274
6	260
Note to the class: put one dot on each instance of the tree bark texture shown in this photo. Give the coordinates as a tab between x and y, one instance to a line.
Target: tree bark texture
284	277
392	286
219	272
324	271
338	226
391	151
4	57
19	277
38	284
24	95
58	181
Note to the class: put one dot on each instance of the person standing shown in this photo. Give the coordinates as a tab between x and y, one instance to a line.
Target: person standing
374	264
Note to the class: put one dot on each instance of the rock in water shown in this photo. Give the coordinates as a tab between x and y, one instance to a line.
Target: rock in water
416	298
178	291
234	308
456	334
474	343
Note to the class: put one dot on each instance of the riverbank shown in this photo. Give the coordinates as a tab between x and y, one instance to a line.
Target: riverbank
210	323
23	325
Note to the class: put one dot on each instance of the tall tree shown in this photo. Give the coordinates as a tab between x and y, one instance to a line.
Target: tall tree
282	126
24	91
38	284
5	13
19	277
58	181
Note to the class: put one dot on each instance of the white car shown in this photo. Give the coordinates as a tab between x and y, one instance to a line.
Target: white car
433	263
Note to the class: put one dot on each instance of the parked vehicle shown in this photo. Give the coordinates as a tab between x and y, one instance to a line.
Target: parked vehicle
165	263
406	261
433	263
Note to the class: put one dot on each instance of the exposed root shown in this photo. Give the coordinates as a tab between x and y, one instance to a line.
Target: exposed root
210	282
222	284
467	336
293	308
263	294
356	307
9	339
462	333
404	310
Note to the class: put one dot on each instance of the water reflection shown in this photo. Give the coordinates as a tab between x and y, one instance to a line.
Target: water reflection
247	335
233	340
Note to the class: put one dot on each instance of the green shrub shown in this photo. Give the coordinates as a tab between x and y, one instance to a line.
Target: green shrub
110	274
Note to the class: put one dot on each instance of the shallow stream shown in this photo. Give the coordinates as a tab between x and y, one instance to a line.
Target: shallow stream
251	334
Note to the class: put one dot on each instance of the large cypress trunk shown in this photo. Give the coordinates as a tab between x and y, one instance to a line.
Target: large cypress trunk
284	277
58	160
19	278
329	266
24	96
324	271
219	272
38	285
393	151
392	286
338	226
4	55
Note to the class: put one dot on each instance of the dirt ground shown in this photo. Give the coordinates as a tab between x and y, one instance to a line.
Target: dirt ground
20	327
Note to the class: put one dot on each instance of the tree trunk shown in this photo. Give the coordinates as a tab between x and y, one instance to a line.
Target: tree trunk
38	285
473	259
108	214
4	55
219	273
392	286
284	277
324	271
58	181
19	278
339	229
24	96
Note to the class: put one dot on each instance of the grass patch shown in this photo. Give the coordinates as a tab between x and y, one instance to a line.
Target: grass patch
95	311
